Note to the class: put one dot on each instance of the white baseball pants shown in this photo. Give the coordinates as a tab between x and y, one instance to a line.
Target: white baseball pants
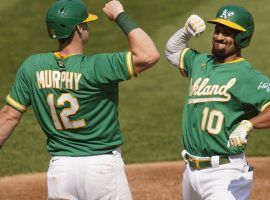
88	178
230	181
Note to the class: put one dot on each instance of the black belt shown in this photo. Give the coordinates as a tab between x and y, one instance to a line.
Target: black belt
196	163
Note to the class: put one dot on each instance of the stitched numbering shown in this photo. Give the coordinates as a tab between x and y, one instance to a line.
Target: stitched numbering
65	113
212	121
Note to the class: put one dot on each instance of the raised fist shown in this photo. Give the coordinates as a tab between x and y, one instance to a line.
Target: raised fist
112	9
195	25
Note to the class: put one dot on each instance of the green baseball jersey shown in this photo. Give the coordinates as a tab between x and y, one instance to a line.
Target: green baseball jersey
218	98
75	99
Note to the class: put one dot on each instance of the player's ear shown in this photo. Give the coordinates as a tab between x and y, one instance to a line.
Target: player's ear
79	29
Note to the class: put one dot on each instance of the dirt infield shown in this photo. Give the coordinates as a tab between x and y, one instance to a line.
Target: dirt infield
158	181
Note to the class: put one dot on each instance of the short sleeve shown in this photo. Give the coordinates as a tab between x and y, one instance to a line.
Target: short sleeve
256	92
19	96
113	67
186	60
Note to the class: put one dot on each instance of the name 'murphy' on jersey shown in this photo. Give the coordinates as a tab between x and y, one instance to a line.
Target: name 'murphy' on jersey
58	79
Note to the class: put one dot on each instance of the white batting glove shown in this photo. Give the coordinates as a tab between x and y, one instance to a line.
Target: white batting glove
195	25
239	136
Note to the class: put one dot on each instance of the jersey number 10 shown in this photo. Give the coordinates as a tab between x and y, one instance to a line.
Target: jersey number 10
209	119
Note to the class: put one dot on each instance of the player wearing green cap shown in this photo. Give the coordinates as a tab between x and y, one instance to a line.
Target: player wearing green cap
226	97
75	100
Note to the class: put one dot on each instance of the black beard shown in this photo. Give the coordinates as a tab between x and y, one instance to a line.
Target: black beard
219	54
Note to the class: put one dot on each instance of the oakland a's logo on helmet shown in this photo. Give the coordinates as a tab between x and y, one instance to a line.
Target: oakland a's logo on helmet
226	14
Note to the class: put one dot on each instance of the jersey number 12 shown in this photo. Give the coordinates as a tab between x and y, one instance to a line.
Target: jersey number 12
65	112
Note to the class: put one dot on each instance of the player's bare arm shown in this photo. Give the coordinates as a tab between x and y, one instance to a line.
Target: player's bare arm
143	49
9	119
194	27
262	120
93	135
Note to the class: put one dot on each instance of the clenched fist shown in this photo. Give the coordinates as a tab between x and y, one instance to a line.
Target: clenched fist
195	25
113	9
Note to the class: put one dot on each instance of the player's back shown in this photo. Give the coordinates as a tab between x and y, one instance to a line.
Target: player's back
75	100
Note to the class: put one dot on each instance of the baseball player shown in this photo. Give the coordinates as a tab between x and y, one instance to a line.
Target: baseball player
75	100
226	98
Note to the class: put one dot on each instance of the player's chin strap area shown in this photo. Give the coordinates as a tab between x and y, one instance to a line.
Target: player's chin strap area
204	162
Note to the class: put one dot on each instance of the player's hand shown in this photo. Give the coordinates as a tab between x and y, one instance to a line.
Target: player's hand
195	25
113	9
239	136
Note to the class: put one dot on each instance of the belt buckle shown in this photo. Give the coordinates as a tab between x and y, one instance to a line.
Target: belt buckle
199	163
196	161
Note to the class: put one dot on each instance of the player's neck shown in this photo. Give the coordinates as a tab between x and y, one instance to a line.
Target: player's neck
71	47
70	50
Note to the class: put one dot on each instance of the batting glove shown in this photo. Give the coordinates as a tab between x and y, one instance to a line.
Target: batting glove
195	25
239	136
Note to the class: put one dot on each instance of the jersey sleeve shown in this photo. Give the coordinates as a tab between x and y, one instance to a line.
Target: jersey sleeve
256	92
114	67
186	61
19	96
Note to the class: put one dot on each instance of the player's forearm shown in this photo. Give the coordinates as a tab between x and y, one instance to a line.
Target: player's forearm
175	45
262	120
178	41
8	122
143	49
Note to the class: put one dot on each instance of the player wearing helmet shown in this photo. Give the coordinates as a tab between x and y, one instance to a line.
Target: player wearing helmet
75	100
225	100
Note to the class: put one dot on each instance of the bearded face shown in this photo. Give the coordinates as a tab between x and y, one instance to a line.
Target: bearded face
223	43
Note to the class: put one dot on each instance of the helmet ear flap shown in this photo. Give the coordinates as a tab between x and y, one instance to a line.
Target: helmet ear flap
242	39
